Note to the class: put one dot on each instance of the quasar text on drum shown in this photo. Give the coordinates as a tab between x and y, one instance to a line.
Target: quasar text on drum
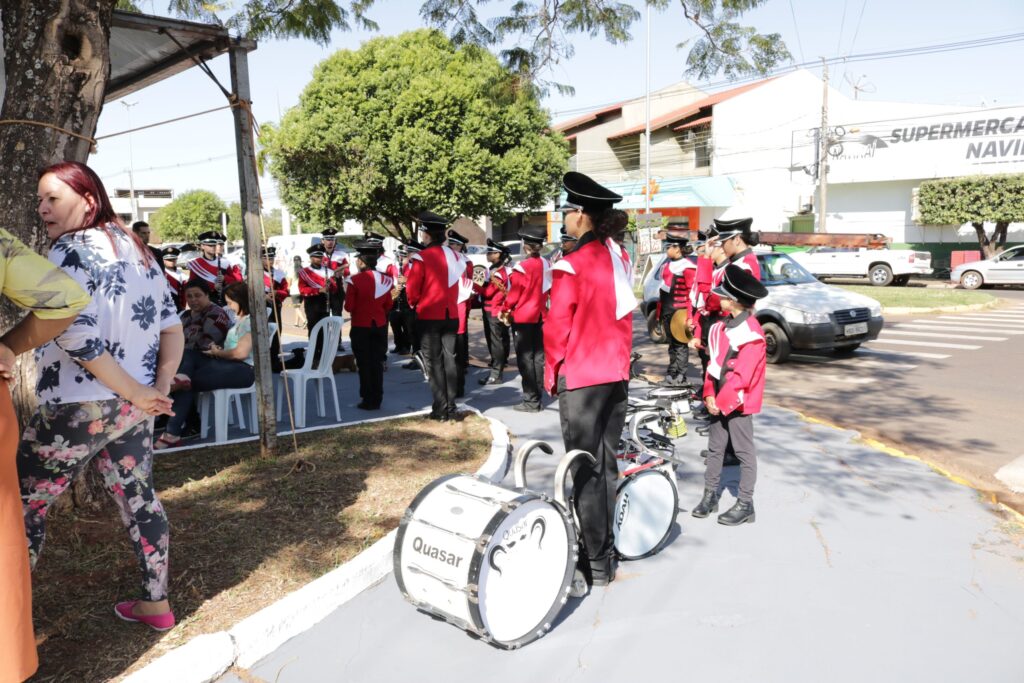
435	553
623	509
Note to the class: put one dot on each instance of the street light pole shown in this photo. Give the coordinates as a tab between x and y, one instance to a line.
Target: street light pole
647	114
131	162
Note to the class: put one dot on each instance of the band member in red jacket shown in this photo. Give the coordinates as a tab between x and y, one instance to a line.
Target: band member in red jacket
213	268
403	318
336	260
318	288
526	304
567	245
369	299
496	333
458	243
275	284
433	290
175	281
736	239
733	391
678	276
588	338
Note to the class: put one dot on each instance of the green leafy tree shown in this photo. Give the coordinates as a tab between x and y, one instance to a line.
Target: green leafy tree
997	199
271	222
190	214
411	123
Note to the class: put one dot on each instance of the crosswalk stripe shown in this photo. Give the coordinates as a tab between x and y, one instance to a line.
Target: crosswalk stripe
978	319
955	327
1004	316
934	345
915	354
855	362
942	335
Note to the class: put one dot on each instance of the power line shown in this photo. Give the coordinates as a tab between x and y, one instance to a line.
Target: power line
796	29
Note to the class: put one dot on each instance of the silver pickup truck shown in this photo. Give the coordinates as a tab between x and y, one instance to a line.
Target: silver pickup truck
882	267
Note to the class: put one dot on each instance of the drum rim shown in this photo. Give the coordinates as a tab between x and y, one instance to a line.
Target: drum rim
675	512
476	565
396	555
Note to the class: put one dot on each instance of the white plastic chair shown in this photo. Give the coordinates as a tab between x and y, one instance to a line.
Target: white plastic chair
330	329
226	399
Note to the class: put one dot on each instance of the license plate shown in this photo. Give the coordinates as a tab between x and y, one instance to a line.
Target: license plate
855	329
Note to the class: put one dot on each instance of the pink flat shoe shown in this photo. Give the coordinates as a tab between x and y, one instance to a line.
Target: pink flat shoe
157	622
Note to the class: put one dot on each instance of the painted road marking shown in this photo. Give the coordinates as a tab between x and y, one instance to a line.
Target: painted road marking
1012	474
915	354
938	335
982	319
854	362
932	345
940	325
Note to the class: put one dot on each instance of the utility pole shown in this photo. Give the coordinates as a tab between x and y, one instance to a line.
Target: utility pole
647	115
131	162
823	149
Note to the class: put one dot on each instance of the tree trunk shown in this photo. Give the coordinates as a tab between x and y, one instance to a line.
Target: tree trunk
999	235
57	62
983	241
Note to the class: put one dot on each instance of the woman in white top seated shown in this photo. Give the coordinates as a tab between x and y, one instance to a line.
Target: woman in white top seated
229	367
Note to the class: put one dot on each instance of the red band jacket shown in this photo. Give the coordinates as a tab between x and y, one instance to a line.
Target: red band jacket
311	280
467	292
368	298
277	283
736	364
588	332
201	268
432	285
529	285
747	260
677	280
493	296
337	260
176	284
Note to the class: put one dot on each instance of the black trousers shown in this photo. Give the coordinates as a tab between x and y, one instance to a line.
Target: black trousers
438	347
370	347
735	431
530	360
415	333
461	361
497	342
402	333
592	420
316	310
338	300
678	352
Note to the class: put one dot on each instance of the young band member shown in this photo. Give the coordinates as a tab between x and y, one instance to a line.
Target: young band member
175	280
526	303
433	290
588	338
412	329
275	284
736	239
317	287
733	391
335	260
458	244
402	315
496	333
212	267
677	279
368	300
568	244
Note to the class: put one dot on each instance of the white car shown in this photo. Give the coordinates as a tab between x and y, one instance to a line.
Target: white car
477	253
882	267
1006	268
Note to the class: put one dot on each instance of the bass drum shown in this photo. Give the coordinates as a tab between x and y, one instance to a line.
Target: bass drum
490	560
646	505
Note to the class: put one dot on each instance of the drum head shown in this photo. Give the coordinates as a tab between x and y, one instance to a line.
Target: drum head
645	510
524	573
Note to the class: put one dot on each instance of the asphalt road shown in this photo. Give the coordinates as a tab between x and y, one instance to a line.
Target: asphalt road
947	388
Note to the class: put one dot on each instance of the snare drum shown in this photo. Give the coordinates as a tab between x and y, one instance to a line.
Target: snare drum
646	504
493	561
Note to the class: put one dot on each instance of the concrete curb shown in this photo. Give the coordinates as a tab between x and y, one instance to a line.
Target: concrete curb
206	657
909	310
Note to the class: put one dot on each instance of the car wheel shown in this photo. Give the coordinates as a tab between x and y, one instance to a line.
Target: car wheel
972	279
880	275
776	343
655	330
901	280
845	350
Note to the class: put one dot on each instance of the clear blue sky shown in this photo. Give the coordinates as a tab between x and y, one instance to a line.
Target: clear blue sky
199	153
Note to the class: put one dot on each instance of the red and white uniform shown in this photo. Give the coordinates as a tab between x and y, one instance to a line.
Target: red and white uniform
467	291
311	280
337	260
588	332
494	297
747	260
678	278
736	365
387	266
204	269
275	282
368	298
432	285
529	285
708	277
176	283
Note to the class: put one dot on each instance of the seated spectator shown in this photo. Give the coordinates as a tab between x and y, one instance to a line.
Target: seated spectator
205	322
229	367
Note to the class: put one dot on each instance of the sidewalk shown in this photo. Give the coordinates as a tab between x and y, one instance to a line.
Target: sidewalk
860	566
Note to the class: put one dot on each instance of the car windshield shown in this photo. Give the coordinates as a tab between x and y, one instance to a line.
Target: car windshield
779	269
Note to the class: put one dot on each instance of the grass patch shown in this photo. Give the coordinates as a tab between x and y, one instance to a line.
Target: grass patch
920	297
244	532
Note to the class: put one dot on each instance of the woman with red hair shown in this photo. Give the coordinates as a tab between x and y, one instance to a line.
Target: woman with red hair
101	382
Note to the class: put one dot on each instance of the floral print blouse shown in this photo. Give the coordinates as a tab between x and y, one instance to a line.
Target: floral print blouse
35	284
131	305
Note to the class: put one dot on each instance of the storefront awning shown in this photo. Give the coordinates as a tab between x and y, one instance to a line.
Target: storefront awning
675	193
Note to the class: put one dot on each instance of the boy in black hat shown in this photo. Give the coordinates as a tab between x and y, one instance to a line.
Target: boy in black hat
458	243
496	333
336	261
403	318
368	299
733	392
736	239
175	281
316	287
275	284
567	245
526	303
212	268
677	279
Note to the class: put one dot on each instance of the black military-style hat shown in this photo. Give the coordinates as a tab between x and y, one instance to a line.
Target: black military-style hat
409	247
374	238
585	193
268	252
431	222
329	234
316	250
457	238
740	285
534	234
566	237
212	237
731	228
675	239
170	253
495	248
369	247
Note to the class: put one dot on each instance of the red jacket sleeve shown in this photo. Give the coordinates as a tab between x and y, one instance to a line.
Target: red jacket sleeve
351	294
414	282
558	325
516	283
689	277
705	269
305	289
281	290
740	376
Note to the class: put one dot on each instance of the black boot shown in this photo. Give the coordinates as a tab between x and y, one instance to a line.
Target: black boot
707	504
742	511
493	378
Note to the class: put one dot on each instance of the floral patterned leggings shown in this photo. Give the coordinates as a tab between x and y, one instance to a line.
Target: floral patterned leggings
57	445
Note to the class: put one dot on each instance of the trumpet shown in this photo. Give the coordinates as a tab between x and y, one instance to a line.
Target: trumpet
496	281
505	318
399	287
